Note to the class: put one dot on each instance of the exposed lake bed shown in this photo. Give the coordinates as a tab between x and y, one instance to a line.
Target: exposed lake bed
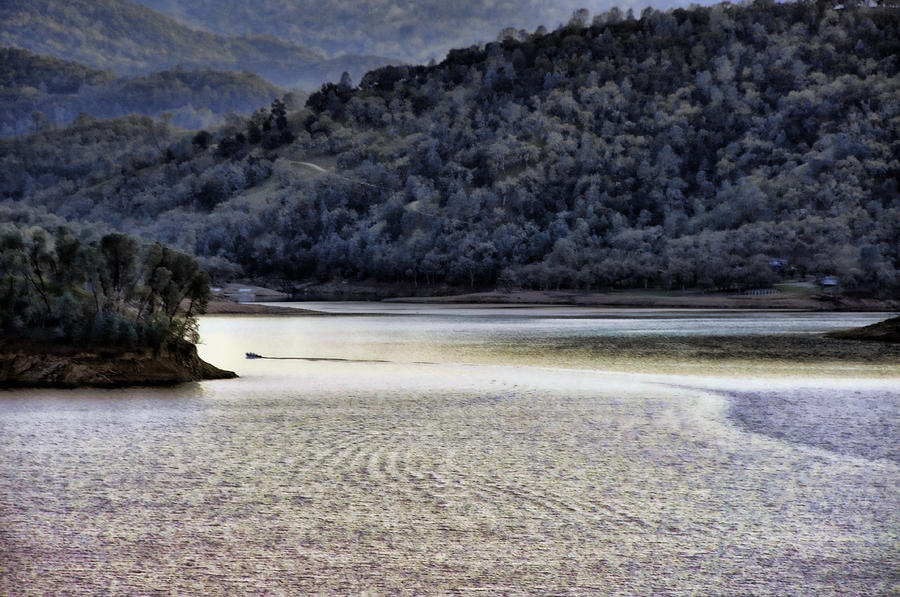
494	452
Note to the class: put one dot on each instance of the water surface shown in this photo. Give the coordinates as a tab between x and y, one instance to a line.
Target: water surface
472	462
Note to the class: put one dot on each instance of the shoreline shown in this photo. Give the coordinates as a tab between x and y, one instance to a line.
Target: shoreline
535	299
661	300
792	296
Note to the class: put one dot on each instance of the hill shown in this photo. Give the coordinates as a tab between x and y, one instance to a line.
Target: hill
130	39
61	90
715	148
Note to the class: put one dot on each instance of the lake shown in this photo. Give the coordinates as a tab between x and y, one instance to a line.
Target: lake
447	449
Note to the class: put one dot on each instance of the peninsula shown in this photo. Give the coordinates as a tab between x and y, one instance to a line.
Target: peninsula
88	310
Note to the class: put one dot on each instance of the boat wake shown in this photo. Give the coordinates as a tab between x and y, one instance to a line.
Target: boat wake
253	355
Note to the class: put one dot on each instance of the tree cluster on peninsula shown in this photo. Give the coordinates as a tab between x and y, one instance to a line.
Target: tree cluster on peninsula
56	286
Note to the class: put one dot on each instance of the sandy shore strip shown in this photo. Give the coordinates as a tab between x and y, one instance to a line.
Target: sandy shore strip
226	307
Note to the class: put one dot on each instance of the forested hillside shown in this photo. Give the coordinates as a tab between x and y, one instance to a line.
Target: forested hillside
39	91
129	39
722	147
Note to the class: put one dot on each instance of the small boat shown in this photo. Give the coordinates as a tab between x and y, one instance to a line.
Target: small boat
253	355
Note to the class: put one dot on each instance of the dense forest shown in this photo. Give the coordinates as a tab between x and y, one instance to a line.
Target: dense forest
128	39
96	290
39	91
720	147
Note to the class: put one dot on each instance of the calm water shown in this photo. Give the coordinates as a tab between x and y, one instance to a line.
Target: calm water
437	451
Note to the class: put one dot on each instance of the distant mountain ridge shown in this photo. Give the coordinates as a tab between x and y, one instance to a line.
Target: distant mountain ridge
410	30
21	68
128	39
36	91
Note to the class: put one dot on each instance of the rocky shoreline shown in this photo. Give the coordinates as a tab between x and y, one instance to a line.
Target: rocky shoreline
26	364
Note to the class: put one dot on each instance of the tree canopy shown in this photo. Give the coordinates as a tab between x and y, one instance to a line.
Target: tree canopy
107	290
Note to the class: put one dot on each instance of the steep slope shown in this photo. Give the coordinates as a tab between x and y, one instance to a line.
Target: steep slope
723	147
128	39
61	90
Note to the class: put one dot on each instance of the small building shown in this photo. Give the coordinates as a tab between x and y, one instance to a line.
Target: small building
830	285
